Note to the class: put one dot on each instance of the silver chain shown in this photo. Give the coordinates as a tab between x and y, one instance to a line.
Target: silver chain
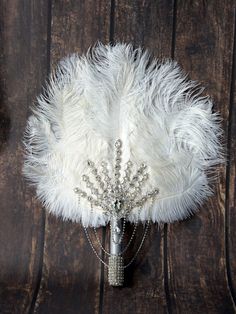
92	247
130	240
126	247
133	258
116	198
99	243
123	232
140	246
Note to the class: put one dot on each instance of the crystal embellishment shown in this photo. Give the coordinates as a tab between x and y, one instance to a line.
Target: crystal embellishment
116	270
116	193
117	197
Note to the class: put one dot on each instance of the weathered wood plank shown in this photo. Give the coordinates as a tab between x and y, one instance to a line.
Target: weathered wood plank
196	247
231	187
149	24
23	64
71	272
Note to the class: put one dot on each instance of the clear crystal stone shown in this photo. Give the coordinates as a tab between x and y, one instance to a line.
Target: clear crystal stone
119	194
118	143
129	163
84	177
90	163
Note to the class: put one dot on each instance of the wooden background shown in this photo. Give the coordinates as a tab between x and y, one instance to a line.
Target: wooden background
46	266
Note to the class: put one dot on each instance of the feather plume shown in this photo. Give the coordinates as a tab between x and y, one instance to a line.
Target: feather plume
120	92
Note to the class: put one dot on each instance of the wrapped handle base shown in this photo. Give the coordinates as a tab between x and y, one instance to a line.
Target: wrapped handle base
116	270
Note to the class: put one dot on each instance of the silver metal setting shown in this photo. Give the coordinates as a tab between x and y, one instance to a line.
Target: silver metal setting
116	195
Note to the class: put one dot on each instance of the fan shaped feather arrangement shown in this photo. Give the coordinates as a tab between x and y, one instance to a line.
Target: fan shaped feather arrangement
119	136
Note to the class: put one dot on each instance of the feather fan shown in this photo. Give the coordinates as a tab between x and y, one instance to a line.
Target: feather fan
118	92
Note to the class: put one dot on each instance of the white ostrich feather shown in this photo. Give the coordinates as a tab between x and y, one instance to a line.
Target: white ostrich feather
118	92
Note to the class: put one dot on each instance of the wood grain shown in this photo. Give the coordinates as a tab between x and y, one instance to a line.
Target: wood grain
230	179
149	24
23	64
46	265
71	272
196	247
